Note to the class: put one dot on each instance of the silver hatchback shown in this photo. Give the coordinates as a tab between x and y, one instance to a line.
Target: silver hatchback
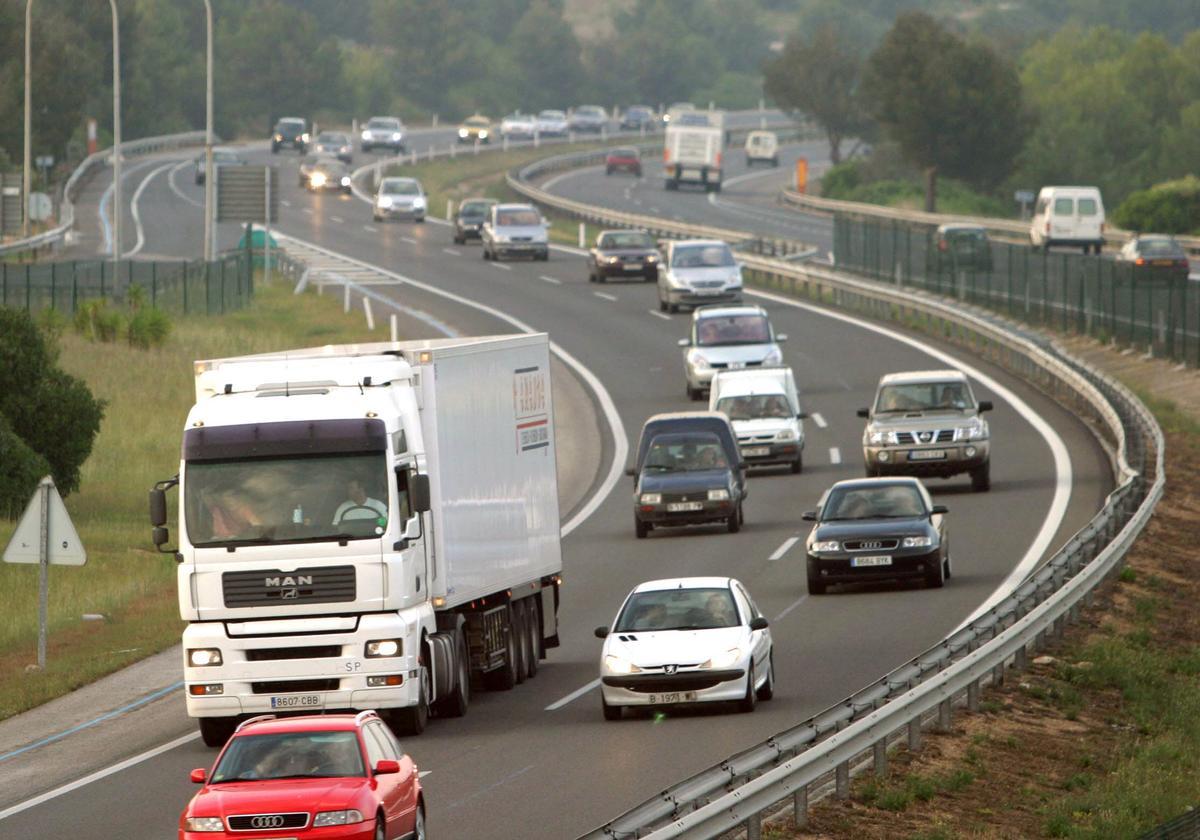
698	271
727	338
514	230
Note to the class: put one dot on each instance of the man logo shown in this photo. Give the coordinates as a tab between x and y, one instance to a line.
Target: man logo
289	594
670	669
288	580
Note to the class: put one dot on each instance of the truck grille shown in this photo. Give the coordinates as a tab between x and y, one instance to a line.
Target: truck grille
270	587
273	654
931	436
295	686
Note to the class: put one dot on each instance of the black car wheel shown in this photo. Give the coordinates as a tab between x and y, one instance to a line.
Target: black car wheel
816	586
216	731
641	528
610	712
935	578
734	522
981	478
768	687
798	464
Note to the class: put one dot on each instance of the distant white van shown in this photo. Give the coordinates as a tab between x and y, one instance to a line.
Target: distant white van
762	147
1068	216
764	407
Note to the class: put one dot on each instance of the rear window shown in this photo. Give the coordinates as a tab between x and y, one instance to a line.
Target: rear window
624	152
475	208
518	218
1087	207
1160	248
1064	206
290	125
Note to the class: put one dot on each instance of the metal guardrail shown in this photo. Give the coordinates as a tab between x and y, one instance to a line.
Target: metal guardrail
735	793
66	216
1184	827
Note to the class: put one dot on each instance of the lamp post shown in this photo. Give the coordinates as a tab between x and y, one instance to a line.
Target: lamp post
116	136
210	244
28	117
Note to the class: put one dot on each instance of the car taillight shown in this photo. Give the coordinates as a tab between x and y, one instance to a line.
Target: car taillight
718	160
1047	226
1140	261
942	245
666	155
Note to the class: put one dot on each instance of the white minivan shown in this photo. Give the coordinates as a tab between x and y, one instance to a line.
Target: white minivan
1068	216
764	407
762	147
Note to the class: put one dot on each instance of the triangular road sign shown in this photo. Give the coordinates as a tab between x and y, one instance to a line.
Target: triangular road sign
65	547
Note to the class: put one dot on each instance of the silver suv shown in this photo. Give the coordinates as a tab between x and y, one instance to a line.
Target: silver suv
727	338
927	423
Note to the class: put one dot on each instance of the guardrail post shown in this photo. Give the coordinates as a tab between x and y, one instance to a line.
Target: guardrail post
945	715
973	696
879	753
800	807
914	734
754	827
842	780
998	675
1021	658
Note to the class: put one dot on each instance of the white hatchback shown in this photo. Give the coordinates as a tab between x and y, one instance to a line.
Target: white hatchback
686	640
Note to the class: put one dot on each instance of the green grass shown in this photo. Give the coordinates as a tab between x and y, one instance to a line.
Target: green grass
149	393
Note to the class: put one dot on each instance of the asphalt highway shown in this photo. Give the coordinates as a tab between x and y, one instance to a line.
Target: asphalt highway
539	761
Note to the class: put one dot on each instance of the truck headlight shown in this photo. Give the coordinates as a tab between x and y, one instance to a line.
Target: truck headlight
619	665
975	431
366	135
203	657
651	498
396	135
380	648
203	824
718	495
345	180
462	132
826	545
347	817
483	134
917	542
304	137
723	660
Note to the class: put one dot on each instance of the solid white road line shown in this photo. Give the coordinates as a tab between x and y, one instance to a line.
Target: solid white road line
501	265
605	296
835	455
99	774
135	209
819	420
785	548
1063	473
452	252
175	187
574	695
658	314
552	280
370	229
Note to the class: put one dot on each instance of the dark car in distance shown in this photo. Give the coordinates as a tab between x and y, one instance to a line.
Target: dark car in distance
623	253
1155	255
871	529
291	132
623	159
472	213
328	174
637	116
958	247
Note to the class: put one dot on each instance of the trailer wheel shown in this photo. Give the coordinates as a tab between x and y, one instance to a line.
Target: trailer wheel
534	634
520	630
505	677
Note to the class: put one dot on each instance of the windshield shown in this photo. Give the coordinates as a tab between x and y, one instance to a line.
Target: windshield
624	152
383	122
552	115
518	218
702	256
678	609
476	122
716	331
307	498
475	208
1160	247
290	125
756	406
626	240
685	453
291	755
589	111
405	187
923	396
897	501
332	139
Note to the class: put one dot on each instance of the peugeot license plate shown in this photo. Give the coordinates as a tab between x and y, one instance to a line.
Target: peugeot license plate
927	455
672	697
871	560
757	452
679	507
296	701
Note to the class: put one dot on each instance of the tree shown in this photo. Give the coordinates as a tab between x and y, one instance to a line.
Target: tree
818	76
556	75
953	107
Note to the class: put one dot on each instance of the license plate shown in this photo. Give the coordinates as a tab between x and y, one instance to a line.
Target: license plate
296	701
1164	262
633	266
871	560
927	455
676	507
757	451
736	365
672	697
706	292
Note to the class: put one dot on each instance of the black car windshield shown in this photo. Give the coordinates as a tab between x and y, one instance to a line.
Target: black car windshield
518	218
971	235
685	453
889	501
304	498
475	208
332	139
702	256
678	609
1159	247
715	331
923	396
383	122
625	240
754	406
290	125
400	187
477	122
290	755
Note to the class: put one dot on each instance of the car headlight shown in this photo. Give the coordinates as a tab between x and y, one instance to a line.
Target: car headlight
483	134
462	132
345	180
718	495
347	817
418	203
975	431
699	362
278	137
723	660
917	542
385	201
204	657
611	260
382	648
619	665
652	258
317	179
773	357
877	438
396	135
366	135
787	434
203	824
304	137
651	498
827	545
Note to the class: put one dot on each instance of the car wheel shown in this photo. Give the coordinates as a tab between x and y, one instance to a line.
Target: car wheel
693	394
946	571
600	278
516	618
872	472
458	240
816	586
216	731
981	478
734	522
798	464
768	687
649	278
412	720
608	170
747	703
610	712
662	305
420	220
380	827
641	528
544	256
935	578
484	253
419	823
672	307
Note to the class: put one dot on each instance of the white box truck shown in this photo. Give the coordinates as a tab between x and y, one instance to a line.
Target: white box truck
365	527
693	150
764	407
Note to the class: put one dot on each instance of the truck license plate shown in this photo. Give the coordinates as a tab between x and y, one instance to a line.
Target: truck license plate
927	455
672	697
296	701
871	560
678	507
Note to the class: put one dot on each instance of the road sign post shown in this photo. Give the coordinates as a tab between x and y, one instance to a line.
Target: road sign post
249	194
45	535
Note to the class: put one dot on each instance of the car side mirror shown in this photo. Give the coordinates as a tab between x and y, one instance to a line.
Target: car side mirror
863	412
199	775
418	493
782	337
601	632
985	405
759	623
684	342
631	472
158	506
809	516
801	415
386	766
936	509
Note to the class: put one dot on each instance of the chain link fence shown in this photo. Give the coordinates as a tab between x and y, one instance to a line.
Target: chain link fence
1138	306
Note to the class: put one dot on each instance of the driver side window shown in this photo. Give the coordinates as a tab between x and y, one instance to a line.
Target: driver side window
402	502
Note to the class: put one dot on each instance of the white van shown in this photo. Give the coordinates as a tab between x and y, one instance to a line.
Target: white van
762	147
765	410
1068	216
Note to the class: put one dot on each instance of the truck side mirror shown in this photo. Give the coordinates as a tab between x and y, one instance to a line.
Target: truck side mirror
418	493
863	412
985	405
158	508
160	535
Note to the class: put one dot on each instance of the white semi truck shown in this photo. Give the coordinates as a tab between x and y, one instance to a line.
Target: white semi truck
365	527
693	148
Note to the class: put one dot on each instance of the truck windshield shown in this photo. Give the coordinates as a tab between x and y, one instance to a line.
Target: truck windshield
308	498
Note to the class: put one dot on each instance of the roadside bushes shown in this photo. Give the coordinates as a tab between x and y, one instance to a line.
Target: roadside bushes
142	326
1169	207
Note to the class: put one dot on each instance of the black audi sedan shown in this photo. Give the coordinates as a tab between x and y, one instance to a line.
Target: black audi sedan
470	217
687	478
623	253
872	529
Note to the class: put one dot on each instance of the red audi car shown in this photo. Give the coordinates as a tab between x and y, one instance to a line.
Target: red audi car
319	777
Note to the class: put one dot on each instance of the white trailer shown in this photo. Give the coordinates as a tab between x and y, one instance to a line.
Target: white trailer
366	527
693	149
